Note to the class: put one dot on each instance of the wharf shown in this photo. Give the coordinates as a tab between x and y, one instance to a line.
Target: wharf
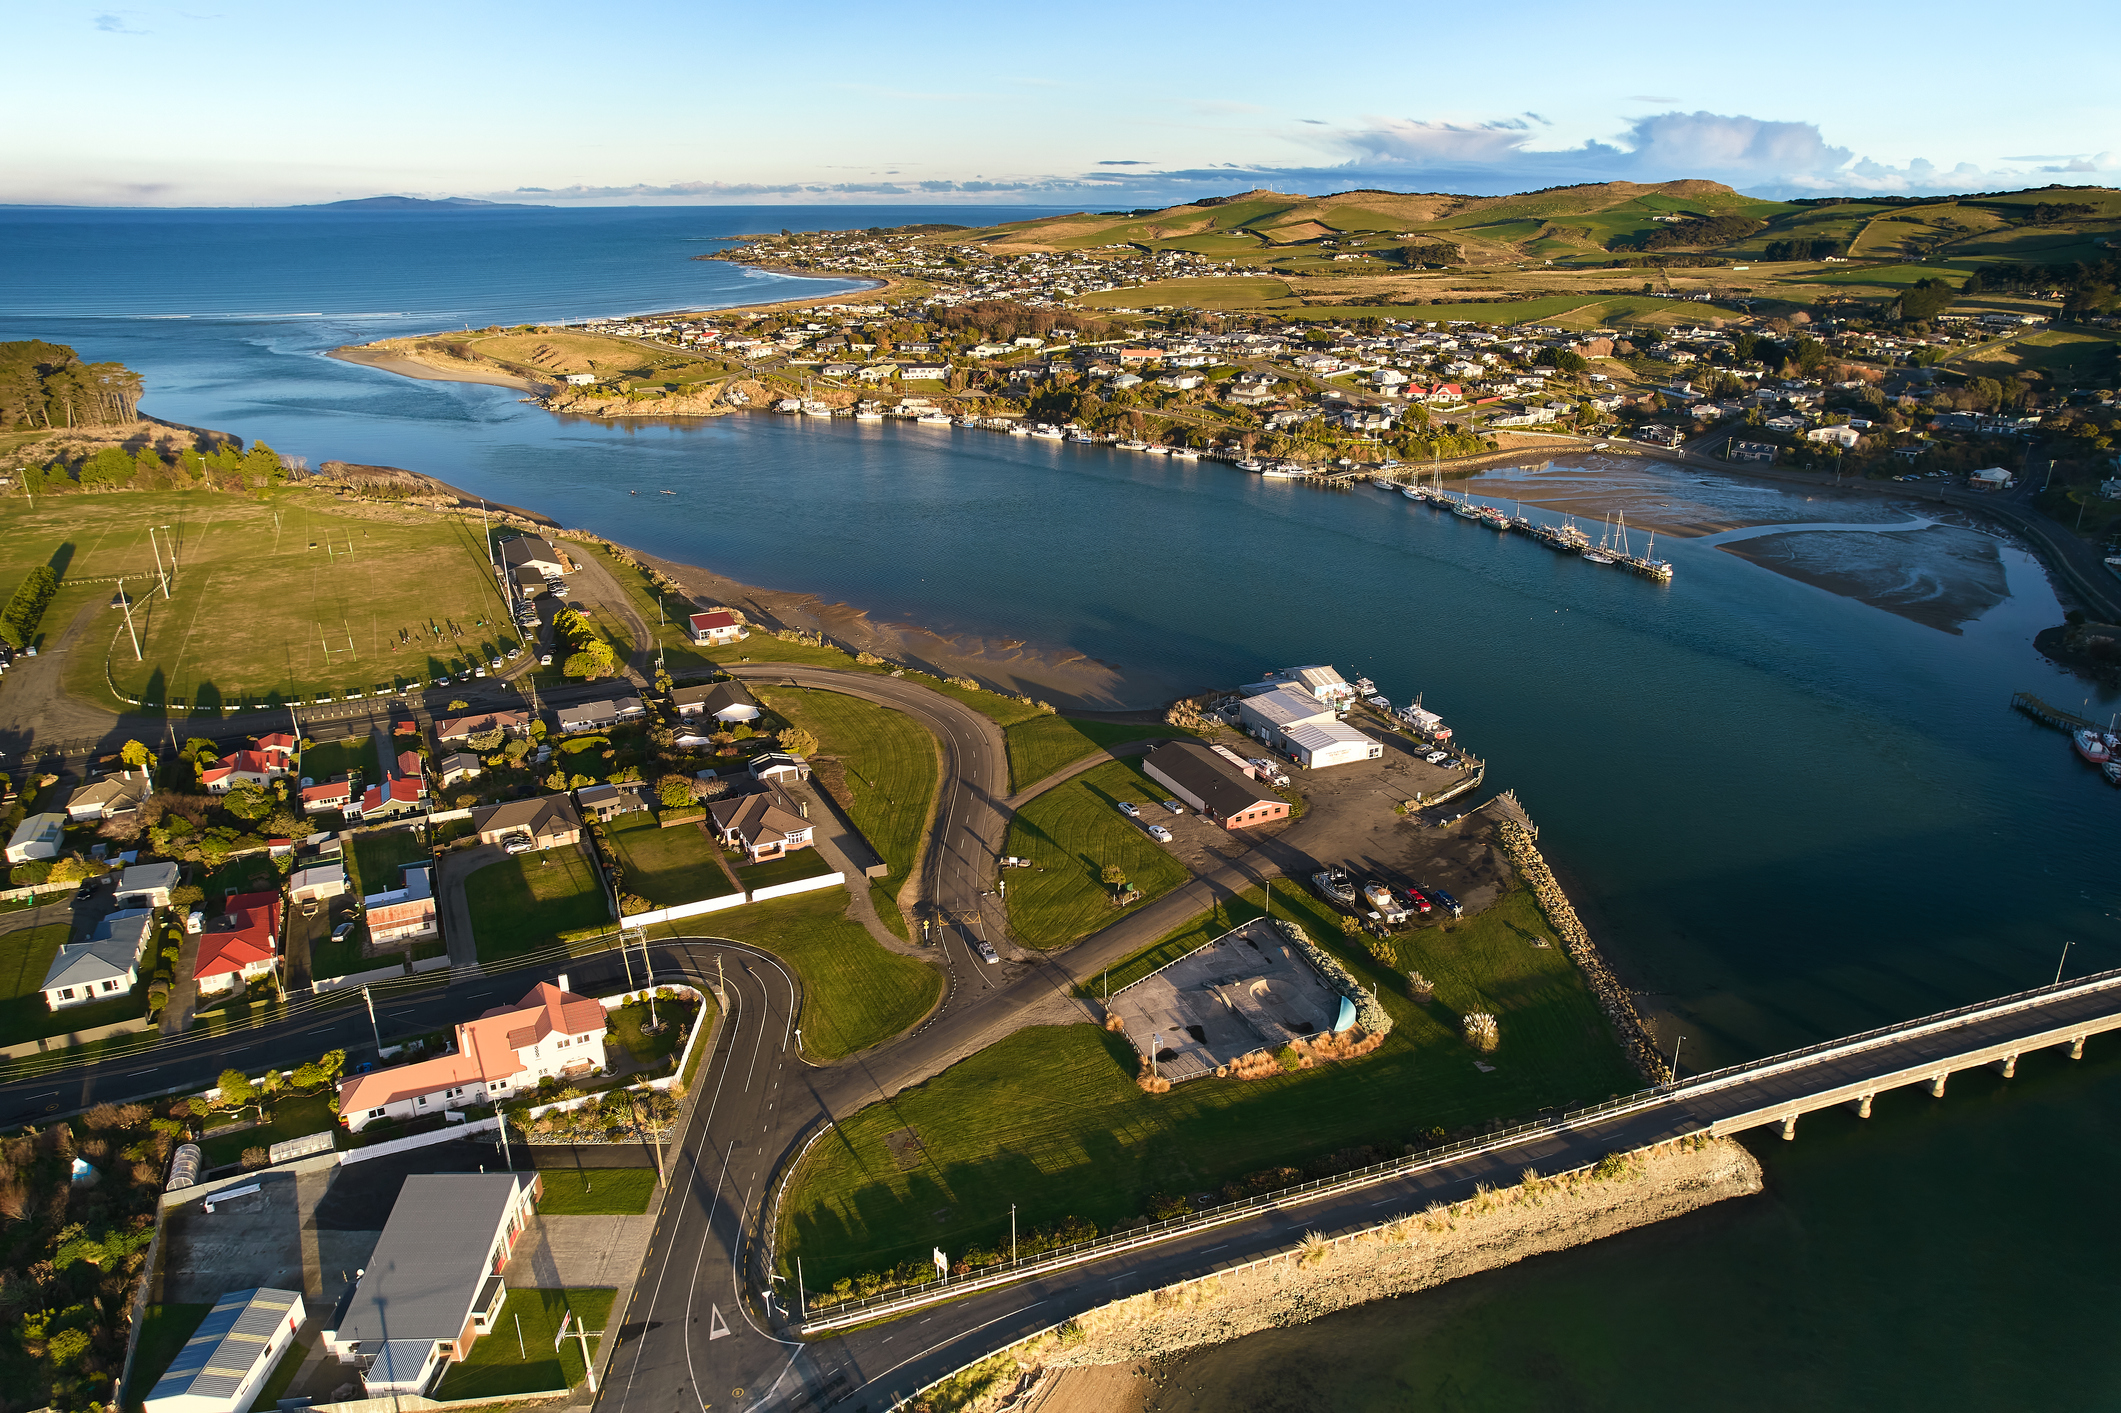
2046	715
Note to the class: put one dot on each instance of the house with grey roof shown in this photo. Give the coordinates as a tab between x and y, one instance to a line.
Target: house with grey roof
109	797
147	885
232	1353
37	837
103	968
433	1284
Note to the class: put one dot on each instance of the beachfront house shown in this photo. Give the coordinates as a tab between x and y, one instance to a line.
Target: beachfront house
726	702
716	627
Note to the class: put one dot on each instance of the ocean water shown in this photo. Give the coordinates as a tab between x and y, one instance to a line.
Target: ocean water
1786	788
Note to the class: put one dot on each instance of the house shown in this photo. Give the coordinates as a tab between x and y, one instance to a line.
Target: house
548	821
715	627
146	885
1753	451
105	966
934	372
405	913
243	942
460	728
1317	744
1995	478
460	765
317	882
765	826
1844	437
37	837
338	795
228	1358
580	380
433	1284
109	797
1212	786
393	799
596	716
279	748
550	1034
410	766
242	768
604	803
726	702
532	552
775	766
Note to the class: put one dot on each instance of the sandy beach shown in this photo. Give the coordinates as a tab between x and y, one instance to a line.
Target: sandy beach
402	362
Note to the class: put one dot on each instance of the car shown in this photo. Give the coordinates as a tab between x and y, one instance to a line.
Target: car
495	663
1011	861
338	934
1174	806
1434	757
514	653
1446	901
1417	900
481	672
986	952
544	659
1160	834
520	844
1126	807
440	682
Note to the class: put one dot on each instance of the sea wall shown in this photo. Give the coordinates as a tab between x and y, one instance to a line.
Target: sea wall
1492	1229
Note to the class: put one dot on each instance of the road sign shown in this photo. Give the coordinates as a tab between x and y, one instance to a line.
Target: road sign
717	1327
561	1338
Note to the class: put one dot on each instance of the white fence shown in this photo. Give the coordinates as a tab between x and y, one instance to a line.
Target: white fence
419	1140
431	963
324	984
705	905
801	885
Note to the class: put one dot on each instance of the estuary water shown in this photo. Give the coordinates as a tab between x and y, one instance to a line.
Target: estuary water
1786	788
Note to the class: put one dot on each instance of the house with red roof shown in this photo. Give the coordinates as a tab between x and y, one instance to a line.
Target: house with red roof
715	627
337	795
550	1034
393	798
279	748
241	944
241	768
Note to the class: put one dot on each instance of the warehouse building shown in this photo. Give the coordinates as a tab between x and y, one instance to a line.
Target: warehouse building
228	1358
1217	790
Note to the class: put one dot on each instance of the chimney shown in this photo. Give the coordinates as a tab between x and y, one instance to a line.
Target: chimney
563	981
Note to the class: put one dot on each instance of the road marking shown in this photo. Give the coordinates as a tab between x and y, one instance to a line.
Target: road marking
1224	1247
717	1327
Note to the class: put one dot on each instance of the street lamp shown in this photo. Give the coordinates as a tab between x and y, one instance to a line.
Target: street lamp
1675	1058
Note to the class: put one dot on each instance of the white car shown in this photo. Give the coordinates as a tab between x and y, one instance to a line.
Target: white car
1434	756
1174	806
1126	807
520	844
986	952
1160	834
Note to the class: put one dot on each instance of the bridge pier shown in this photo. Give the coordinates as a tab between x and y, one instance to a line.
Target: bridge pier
1789	1128
2076	1048
1861	1106
1937	1084
2007	1066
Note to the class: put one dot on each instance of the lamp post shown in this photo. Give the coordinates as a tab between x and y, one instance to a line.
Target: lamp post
1675	1058
2065	957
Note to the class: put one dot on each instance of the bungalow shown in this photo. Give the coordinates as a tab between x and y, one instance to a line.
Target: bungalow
244	941
1995	478
317	882
931	372
726	702
337	795
393	799
37	837
551	1033
460	728
460	765
1753	451
1844	437
405	913
279	748
532	552
109	797
549	822
146	885
604	803
715	627
102	968
595	716
242	768
764	826
775	766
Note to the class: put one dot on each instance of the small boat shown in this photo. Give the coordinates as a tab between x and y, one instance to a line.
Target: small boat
666	493
1592	556
1334	885
1248	464
2092	746
1285	471
1413	493
1047	433
633	493
1185	453
816	409
1018	429
2112	771
869	414
1384	485
1155	449
1132	445
1081	437
1380	897
934	419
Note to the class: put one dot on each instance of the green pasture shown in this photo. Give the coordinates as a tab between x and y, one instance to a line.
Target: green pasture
1071	833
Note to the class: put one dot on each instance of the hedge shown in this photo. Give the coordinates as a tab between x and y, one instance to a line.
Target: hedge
18	621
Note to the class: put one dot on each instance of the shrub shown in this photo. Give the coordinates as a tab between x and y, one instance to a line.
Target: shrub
1481	1031
256	1157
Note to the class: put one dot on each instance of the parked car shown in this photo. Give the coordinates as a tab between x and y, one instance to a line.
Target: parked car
1174	806
338	934
986	952
520	844
1011	861
1126	807
1434	757
440	682
1160	834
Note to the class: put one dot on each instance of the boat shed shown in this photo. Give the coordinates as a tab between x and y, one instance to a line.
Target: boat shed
228	1358
1200	777
1319	744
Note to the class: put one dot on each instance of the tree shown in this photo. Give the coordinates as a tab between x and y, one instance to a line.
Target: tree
458	704
236	1089
797	741
675	791
333	1063
1115	877
247	802
135	755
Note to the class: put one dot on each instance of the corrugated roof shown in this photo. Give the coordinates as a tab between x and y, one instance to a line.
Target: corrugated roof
435	1253
228	1344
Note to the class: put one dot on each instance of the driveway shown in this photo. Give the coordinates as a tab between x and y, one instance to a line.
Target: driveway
458	865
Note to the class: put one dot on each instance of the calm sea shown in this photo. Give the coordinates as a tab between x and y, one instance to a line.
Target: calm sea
1789	814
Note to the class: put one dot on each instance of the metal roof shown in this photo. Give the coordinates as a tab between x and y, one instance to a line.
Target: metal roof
436	1251
228	1344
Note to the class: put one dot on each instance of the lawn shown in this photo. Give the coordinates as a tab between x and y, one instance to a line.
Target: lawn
790	868
667	866
518	1356
327	760
1051	1119
286	592
1044	744
642	1048
253	873
1070	833
283	1374
25	958
855	994
524	902
379	854
887	762
596	1192
162	1335
293	1116
342	958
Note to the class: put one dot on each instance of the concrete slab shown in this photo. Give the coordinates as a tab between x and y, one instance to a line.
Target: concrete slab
581	1251
1245	991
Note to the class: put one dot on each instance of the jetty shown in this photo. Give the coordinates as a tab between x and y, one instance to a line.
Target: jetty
2046	715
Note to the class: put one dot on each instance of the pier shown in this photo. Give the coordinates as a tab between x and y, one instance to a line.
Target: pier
2046	715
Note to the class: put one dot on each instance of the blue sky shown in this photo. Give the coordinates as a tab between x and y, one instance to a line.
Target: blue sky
1097	103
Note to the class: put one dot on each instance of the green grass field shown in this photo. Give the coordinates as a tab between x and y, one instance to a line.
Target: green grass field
280	593
1236	292
1043	744
380	855
855	994
328	759
295	1116
2067	354
503	1363
789	868
1052	1120
283	1374
524	902
25	958
596	1192
1070	833
890	764
668	866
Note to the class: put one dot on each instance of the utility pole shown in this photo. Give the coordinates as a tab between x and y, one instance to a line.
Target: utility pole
127	604
373	1029
581	1332
1012	1234
158	559
802	1307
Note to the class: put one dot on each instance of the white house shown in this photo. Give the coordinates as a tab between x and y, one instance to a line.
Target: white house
146	885
109	797
549	1034
1318	744
229	1357
102	968
715	627
37	837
